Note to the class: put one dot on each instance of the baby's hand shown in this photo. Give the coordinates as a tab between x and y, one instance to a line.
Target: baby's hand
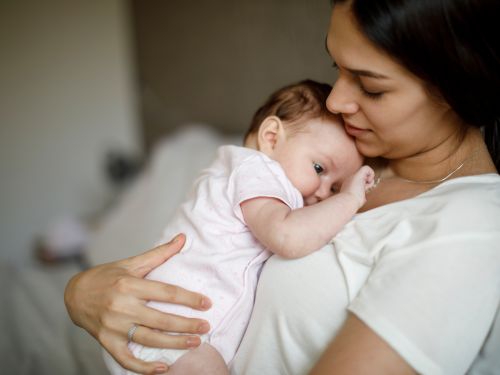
359	183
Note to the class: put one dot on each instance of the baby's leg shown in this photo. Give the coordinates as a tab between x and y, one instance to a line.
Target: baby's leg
205	360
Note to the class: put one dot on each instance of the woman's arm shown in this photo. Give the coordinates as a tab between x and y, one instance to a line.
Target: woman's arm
359	350
108	299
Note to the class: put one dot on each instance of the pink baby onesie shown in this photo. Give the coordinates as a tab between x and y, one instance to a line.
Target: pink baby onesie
221	257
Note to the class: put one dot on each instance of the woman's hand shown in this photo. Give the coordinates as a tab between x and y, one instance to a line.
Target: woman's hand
108	299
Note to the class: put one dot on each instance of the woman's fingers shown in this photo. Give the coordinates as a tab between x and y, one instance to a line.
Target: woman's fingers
142	264
150	290
154	339
107	300
129	306
171	323
126	359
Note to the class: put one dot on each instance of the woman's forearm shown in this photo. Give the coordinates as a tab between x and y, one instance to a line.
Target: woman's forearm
358	350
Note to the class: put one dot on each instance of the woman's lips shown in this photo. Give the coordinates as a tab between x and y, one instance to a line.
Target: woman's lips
354	131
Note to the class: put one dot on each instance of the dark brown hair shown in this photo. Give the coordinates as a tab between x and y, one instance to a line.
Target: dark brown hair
293	104
451	45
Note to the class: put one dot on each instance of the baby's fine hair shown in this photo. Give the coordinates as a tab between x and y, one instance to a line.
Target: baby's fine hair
294	104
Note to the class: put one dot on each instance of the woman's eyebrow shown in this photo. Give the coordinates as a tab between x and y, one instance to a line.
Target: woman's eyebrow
358	72
366	73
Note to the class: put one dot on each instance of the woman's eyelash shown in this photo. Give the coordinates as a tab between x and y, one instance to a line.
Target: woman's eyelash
371	95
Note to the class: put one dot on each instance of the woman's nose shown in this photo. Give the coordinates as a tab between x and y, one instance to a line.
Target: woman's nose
341	99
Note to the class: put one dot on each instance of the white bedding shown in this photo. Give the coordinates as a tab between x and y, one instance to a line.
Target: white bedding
37	336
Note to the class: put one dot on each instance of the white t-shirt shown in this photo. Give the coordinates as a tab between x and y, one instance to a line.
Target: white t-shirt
423	273
221	258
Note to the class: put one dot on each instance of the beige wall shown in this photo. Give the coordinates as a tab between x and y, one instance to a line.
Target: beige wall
217	60
65	98
67	87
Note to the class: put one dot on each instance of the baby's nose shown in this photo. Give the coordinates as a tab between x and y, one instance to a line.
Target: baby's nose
323	192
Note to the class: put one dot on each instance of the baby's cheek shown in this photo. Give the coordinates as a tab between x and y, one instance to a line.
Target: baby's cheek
357	161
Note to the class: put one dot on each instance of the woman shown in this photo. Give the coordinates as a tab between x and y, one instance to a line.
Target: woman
412	283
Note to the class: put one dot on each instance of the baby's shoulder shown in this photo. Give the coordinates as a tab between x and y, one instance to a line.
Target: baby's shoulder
236	156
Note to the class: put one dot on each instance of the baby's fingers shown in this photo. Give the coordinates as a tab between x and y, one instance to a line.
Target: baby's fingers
369	176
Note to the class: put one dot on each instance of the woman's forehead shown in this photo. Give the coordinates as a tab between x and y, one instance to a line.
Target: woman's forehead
352	50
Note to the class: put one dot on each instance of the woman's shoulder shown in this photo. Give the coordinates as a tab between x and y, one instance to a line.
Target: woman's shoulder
470	192
462	206
472	184
480	194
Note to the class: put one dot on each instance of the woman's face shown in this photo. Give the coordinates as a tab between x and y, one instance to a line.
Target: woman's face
385	107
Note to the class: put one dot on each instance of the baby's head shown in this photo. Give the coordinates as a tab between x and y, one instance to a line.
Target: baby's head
295	128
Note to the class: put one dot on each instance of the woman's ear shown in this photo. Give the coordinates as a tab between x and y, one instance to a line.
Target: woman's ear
271	132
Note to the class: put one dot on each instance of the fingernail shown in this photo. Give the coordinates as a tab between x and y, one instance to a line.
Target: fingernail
203	327
160	369
176	238
193	342
205	303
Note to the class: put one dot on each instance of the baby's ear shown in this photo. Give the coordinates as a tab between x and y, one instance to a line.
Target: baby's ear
271	132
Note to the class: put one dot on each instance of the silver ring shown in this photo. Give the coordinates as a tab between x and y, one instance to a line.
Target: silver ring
131	331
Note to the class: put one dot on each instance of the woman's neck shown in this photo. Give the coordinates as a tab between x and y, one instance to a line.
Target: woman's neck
406	178
451	158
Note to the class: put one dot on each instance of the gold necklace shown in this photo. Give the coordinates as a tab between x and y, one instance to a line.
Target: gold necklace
428	182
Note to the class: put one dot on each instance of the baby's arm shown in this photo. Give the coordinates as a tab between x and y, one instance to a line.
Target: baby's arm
296	233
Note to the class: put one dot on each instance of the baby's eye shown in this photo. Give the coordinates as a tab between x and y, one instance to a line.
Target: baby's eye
318	168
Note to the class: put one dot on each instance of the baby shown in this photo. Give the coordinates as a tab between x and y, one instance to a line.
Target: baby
296	183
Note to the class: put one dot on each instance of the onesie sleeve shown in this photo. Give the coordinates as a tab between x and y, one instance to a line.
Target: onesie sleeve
259	176
434	301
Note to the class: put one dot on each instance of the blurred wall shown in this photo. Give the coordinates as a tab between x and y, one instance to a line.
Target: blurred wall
66	97
216	61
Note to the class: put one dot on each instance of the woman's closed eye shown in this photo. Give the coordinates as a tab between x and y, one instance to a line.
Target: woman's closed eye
318	168
372	94
369	93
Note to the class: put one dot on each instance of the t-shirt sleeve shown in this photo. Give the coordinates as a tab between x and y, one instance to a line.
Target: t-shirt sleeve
434	302
261	177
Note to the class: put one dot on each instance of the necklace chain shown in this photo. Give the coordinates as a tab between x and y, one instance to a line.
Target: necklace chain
377	181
